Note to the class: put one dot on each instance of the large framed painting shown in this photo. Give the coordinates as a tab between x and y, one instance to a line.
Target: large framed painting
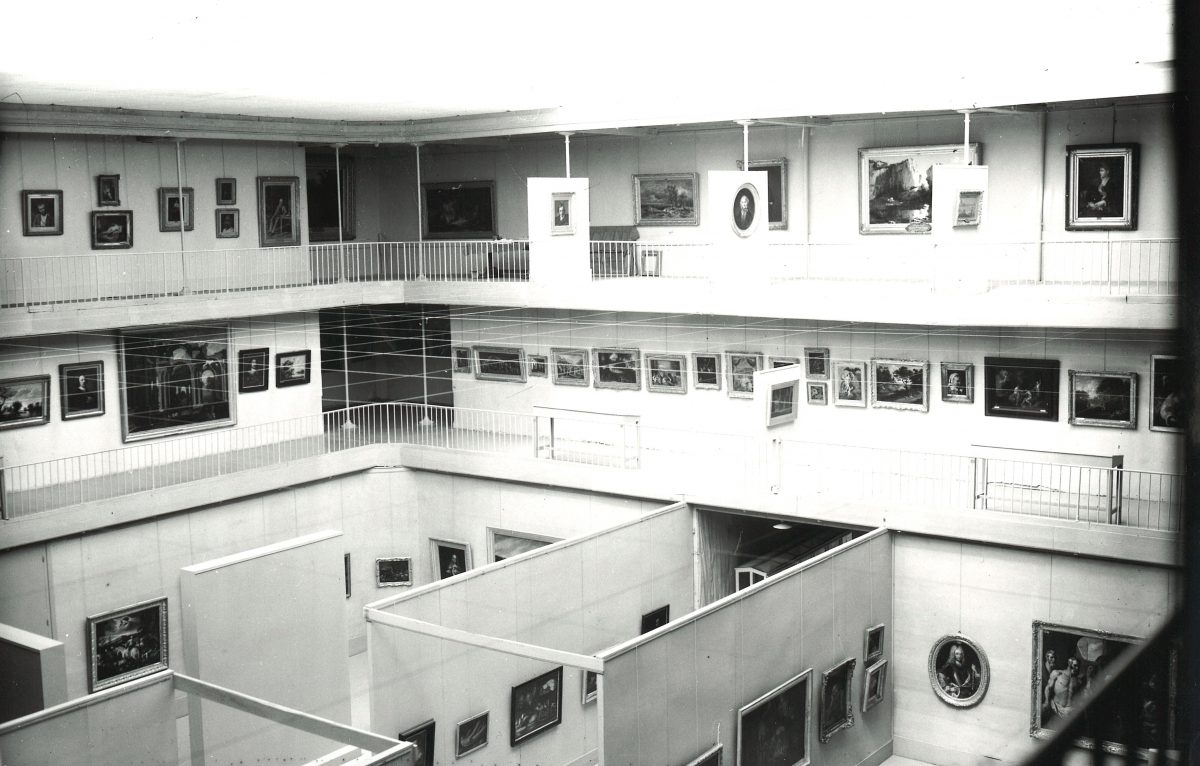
1102	187
896	186
41	212
278	211
707	370
618	368
1021	388
666	199
471	735
874	685
958	382
1167	391
1069	663
461	360
837	703
781	403
81	389
958	671
667	373
569	366
449	558
742	365
24	401
535	706
293	368
776	170
126	644
851	390
500	363
421	736
112	229
900	384
459	210
253	369
393	572
1103	399
710	757
745	215
776	727
175	380
171	209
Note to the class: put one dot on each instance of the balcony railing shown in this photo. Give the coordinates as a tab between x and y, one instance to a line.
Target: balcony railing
1109	267
679	462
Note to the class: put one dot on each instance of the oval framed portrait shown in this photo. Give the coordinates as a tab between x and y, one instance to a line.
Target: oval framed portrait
958	671
744	218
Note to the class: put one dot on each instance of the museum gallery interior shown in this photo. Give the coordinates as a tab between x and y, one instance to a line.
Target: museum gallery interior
844	428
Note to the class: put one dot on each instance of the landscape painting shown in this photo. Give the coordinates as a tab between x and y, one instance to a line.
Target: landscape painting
896	186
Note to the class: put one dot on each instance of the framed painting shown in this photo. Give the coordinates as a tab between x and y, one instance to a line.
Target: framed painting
569	366
710	757
781	402
589	683
666	199
170	208
851	384
776	170
782	361
899	384
462	360
896	186
667	373
499	363
421	736
1102	187
746	203
537	365
293	368
126	644
81	389
618	368
776	727
24	401
560	222
816	363
970	209
535	706
112	229
322	192
229	223
1021	388
707	371
742	365
656	618
459	210
873	644
471	735
1167	392
818	393
874	684
346	573
1103	399
837	705
506	543
278	214
958	671
449	558
42	213
226	191
393	572
175	380
253	367
958	382
108	190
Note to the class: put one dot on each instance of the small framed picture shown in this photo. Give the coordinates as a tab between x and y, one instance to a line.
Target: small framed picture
589	682
970	208
108	190
746	203
170	209
707	369
293	368
958	671
1020	388
500	363
782	361
450	558
112	229
253	365
818	393
346	579
561	221
278	217
81	389
873	644
537	365
535	706
471	735
837	706
393	572
1103	399
667	373
226	191
126	644
569	366
1167	392
25	401
229	225
781	405
1102	187
618	368
666	199
462	359
874	684
742	365
421	736
851	384
816	363
899	384
777	727
958	382
42	213
656	618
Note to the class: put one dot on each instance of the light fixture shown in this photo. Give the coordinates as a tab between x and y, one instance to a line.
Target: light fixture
781	525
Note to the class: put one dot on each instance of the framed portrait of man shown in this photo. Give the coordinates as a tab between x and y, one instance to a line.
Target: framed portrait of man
41	213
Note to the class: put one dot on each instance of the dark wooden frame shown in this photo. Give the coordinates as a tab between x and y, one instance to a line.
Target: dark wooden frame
93	371
525	700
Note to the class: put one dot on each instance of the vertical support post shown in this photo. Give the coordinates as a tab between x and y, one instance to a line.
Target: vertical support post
567	150
420	227
347	423
425	421
745	142
966	160
182	212
337	170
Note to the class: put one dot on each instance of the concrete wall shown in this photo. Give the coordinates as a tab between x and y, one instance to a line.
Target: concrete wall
35	673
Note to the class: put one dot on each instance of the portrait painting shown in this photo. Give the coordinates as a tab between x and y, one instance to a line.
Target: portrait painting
112	229
744	216
656	618
175	380
896	186
226	191
837	705
776	170
229	225
126	644
569	366
535	706
775	729
171	210
618	368
537	366
590	684
742	365
450	558
108	190
707	371
24	401
958	382
1103	399
42	213
958	671
817	393
1102	187
293	368
253	369
421	736
873	644
1167	391
471	735
874	684
393	572
500	363
1021	388
899	384
561	214
970	208
781	402
710	757
461	359
850	384
816	363
81	389
278	215
666	199
459	210
666	373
